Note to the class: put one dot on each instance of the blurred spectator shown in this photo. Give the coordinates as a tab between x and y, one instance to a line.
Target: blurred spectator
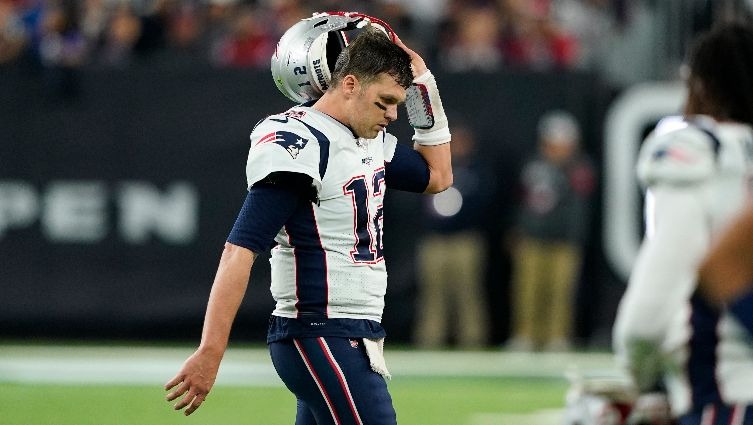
95	18
62	48
62	43
13	35
248	44
426	18
533	40
154	22
451	296
480	35
285	13
186	27
426	14
219	15
591	23
397	16
552	225
474	47
121	35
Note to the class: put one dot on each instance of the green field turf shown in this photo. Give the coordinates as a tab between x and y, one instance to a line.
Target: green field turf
103	384
418	401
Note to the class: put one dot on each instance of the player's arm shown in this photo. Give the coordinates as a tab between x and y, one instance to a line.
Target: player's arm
726	274
673	164
267	207
662	280
438	160
197	376
433	143
727	271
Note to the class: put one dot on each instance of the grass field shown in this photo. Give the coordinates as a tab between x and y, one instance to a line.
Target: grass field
438	401
106	385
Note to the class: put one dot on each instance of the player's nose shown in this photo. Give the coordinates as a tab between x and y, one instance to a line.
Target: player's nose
391	113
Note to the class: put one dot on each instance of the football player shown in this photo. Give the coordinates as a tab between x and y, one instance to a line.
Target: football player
317	175
696	169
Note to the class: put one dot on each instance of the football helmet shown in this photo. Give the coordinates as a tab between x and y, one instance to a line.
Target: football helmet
306	54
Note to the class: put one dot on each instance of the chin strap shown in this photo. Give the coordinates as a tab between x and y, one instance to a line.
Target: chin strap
425	111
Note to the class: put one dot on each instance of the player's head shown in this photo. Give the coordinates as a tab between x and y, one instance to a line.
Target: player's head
720	81
372	53
369	81
559	135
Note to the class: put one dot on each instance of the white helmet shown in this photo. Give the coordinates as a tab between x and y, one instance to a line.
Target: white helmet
307	52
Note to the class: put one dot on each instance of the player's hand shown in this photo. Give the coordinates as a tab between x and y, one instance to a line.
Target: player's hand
417	62
194	381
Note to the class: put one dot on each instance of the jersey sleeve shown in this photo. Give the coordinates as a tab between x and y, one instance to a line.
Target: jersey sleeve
406	170
283	144
676	153
264	212
661	281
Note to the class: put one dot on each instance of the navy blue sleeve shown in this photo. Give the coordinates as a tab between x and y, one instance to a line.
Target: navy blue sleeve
742	309
408	171
263	214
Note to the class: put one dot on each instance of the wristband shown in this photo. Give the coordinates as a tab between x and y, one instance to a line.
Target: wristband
426	113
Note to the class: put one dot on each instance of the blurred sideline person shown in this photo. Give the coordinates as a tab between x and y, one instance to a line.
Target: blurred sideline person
726	273
317	176
552	226
696	170
452	254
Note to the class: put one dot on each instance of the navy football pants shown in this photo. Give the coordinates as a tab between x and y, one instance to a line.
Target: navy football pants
333	382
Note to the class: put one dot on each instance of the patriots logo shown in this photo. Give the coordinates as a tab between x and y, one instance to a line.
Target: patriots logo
292	142
673	154
295	114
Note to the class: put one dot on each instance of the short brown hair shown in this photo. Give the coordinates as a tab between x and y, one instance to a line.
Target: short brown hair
370	54
722	60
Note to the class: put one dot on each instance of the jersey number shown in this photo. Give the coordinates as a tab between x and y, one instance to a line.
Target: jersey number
367	229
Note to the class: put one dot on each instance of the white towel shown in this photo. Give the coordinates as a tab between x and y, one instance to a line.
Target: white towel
375	351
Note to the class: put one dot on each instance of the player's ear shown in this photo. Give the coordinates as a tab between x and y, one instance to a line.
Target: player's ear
350	84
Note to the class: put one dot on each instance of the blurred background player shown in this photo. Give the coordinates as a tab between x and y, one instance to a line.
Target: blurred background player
696	170
452	254
551	229
317	175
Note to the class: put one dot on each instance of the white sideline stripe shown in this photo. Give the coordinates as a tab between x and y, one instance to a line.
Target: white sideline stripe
253	367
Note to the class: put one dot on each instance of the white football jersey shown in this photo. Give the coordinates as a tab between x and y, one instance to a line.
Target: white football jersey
697	175
328	260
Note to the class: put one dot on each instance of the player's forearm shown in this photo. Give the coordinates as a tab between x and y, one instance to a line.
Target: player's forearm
637	342
227	293
440	166
727	272
433	142
661	283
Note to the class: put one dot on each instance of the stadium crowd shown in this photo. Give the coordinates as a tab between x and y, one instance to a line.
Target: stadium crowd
515	34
